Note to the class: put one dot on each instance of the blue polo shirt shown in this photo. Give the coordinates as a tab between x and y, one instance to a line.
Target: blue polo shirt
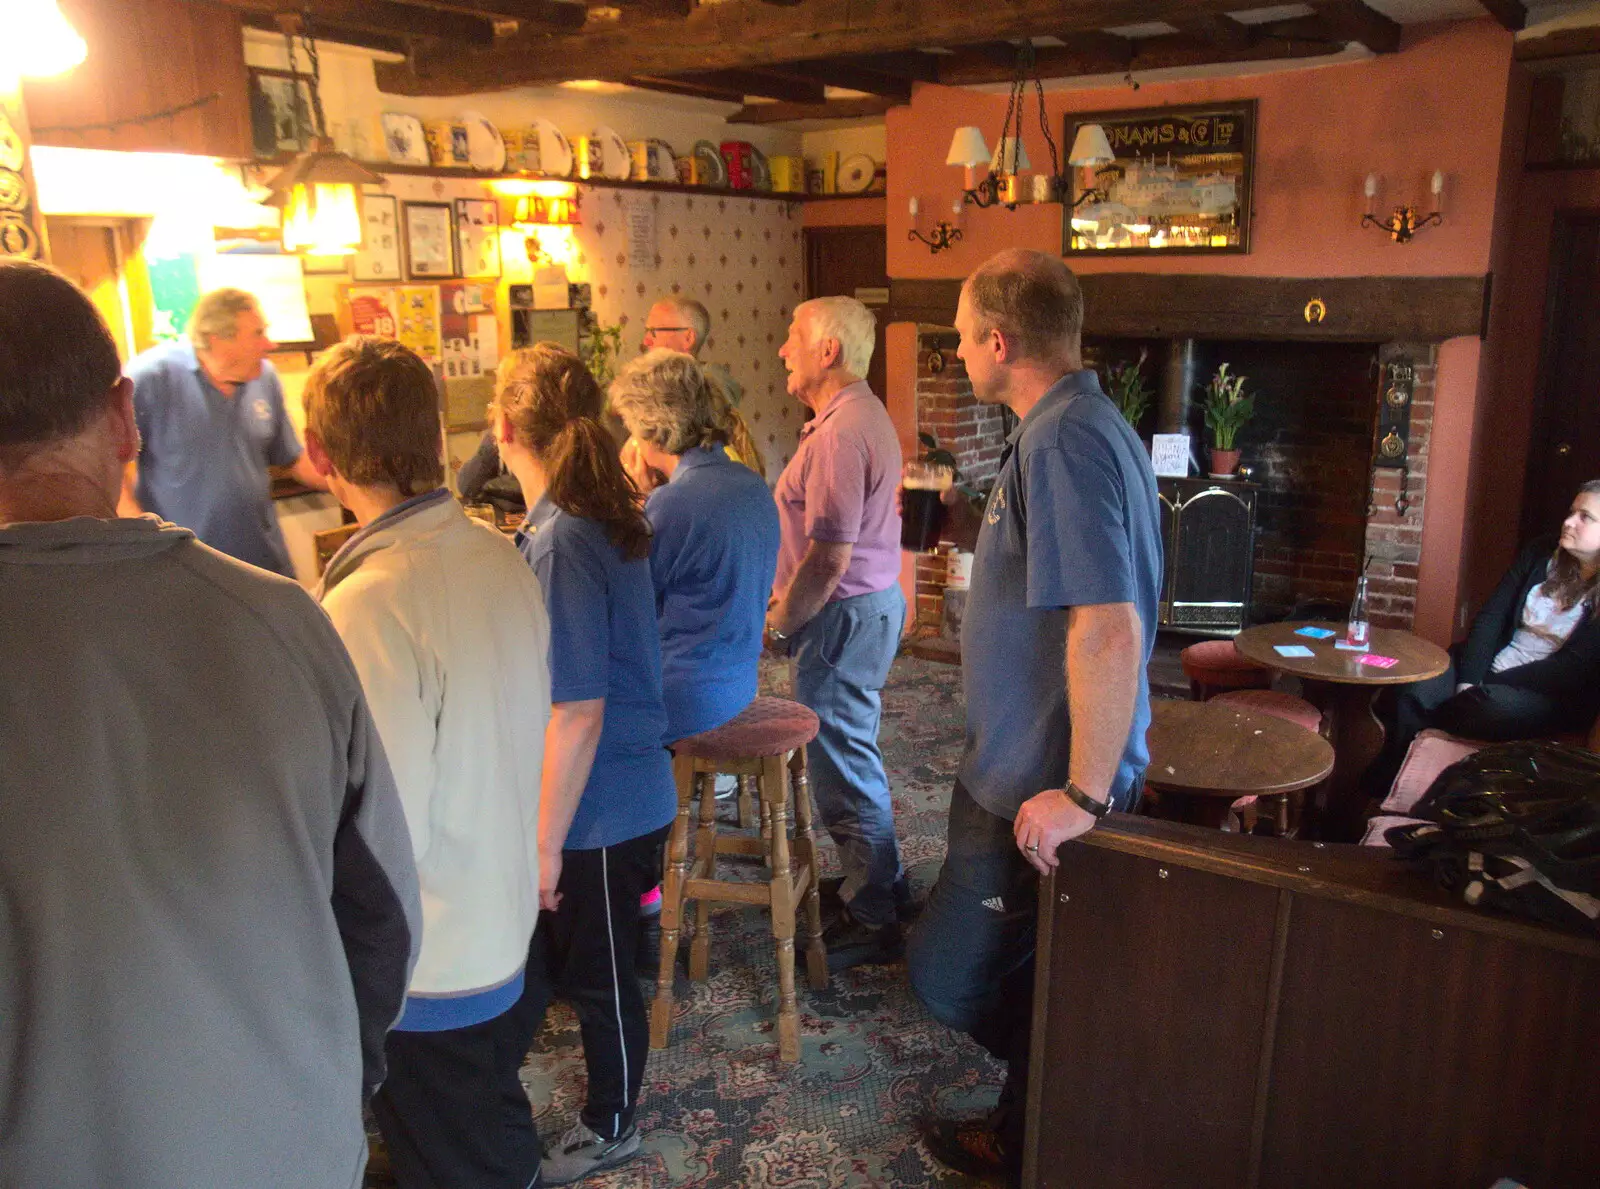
1073	520
204	458
712	561
603	644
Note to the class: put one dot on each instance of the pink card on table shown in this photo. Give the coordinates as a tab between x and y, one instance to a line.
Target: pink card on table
1377	662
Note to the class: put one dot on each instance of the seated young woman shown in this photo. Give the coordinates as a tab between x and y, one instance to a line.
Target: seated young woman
1530	664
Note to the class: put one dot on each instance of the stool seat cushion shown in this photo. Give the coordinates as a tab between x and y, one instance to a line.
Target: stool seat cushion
766	727
1218	657
1276	703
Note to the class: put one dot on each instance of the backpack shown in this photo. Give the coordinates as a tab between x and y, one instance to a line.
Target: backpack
1514	827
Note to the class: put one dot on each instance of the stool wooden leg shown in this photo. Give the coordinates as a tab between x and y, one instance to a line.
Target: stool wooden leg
747	812
677	871
705	855
775	793
805	848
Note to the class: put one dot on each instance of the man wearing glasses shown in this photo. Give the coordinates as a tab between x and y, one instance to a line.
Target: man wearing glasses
683	324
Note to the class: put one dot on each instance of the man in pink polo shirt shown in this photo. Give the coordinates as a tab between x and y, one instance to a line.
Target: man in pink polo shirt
838	610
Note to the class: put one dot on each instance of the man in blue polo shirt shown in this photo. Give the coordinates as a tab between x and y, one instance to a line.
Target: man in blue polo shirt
211	421
1060	623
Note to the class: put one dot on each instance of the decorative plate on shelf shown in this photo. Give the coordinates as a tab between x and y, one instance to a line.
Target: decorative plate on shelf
710	168
760	171
403	137
555	152
855	174
660	163
486	148
614	159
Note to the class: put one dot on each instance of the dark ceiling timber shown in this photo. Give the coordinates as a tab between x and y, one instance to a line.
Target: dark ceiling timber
387	17
761	84
551	14
1510	13
833	109
748	34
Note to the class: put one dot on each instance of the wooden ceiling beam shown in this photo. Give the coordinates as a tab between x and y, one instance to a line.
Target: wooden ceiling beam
847	75
913	65
746	34
782	87
1218	28
660	9
546	14
332	31
678	86
379	16
1564	43
832	109
1338	21
1510	13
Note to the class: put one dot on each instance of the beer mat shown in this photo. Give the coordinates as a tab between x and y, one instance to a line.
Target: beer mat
1378	662
1314	633
1292	650
1346	646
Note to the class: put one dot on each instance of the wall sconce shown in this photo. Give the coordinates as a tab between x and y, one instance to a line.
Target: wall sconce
1404	223
1090	149
944	235
968	149
545	205
40	42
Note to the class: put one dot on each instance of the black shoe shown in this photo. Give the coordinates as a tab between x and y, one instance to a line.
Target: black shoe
906	908
851	943
969	1147
647	954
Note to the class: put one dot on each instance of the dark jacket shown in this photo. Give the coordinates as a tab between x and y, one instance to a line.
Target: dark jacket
484	479
1572	671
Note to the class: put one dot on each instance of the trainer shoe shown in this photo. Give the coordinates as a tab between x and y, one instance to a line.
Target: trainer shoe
852	943
906	907
969	1147
580	1152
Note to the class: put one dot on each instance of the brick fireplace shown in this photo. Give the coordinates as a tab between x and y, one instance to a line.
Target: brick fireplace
1322	507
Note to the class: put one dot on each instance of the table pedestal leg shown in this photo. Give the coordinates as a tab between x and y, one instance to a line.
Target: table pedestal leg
1357	738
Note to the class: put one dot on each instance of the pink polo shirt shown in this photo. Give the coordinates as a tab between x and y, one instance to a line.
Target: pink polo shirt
840	486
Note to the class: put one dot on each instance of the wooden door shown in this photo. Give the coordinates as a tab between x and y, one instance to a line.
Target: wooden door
95	254
852	262
1565	447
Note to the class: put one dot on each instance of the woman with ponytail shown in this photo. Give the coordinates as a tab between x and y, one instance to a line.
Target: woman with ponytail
715	548
607	796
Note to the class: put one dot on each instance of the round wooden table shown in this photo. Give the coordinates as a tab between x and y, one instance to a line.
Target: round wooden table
1206	755
1337	683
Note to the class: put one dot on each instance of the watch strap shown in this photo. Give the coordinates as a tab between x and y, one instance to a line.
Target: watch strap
1085	802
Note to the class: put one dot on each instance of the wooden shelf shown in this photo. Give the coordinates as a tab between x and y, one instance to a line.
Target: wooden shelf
470	175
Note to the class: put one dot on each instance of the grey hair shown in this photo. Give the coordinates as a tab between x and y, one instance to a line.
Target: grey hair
665	399
698	317
216	315
848	322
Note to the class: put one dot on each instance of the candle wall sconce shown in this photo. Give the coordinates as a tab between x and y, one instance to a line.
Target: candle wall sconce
1405	222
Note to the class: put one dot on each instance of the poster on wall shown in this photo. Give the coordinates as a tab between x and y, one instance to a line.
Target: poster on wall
419	320
469	333
642	236
379	257
1179	182
430	240
478	236
374	312
174	290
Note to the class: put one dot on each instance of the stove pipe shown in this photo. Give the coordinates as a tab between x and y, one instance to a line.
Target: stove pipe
1177	386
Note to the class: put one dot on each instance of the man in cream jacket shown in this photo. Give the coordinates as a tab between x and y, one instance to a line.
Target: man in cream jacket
447	628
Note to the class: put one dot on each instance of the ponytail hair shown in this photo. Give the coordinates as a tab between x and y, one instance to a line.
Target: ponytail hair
1565	583
553	406
735	431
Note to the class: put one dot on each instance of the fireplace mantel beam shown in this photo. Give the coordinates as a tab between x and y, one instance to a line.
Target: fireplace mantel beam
1150	305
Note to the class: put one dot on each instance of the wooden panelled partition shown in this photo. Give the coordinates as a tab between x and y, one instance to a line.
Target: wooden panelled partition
1215	1011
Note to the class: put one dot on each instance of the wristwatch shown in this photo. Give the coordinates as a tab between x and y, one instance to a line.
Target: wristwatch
1085	802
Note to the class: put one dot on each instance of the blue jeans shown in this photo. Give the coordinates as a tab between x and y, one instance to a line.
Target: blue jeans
841	660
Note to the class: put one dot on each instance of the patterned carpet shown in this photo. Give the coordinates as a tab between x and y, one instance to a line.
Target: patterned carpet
719	1108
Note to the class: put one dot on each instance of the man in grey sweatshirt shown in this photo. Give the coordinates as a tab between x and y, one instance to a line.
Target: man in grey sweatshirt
208	905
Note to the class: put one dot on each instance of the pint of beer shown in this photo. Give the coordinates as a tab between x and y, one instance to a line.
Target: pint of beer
921	508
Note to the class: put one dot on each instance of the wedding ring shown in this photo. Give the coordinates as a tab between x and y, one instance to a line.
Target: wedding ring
1034	848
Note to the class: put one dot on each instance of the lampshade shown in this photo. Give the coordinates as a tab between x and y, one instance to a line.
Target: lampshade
1010	156
1090	147
967	147
546	210
40	42
318	194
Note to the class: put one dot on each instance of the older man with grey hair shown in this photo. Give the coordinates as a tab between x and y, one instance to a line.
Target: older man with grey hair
212	420
837	609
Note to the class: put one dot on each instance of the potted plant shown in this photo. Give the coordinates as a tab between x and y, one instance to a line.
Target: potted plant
1228	409
600	347
1125	385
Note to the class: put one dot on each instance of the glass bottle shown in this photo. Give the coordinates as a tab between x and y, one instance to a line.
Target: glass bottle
1357	631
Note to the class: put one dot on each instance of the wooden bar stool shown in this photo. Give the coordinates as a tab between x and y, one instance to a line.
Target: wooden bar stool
767	737
1215	665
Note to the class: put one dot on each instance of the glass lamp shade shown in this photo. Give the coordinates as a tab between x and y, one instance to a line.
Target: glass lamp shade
546	210
40	42
322	219
967	147
1090	147
1010	156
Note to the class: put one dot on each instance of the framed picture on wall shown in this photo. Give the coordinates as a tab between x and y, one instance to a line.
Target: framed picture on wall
1179	181
280	112
478	236
430	240
379	257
